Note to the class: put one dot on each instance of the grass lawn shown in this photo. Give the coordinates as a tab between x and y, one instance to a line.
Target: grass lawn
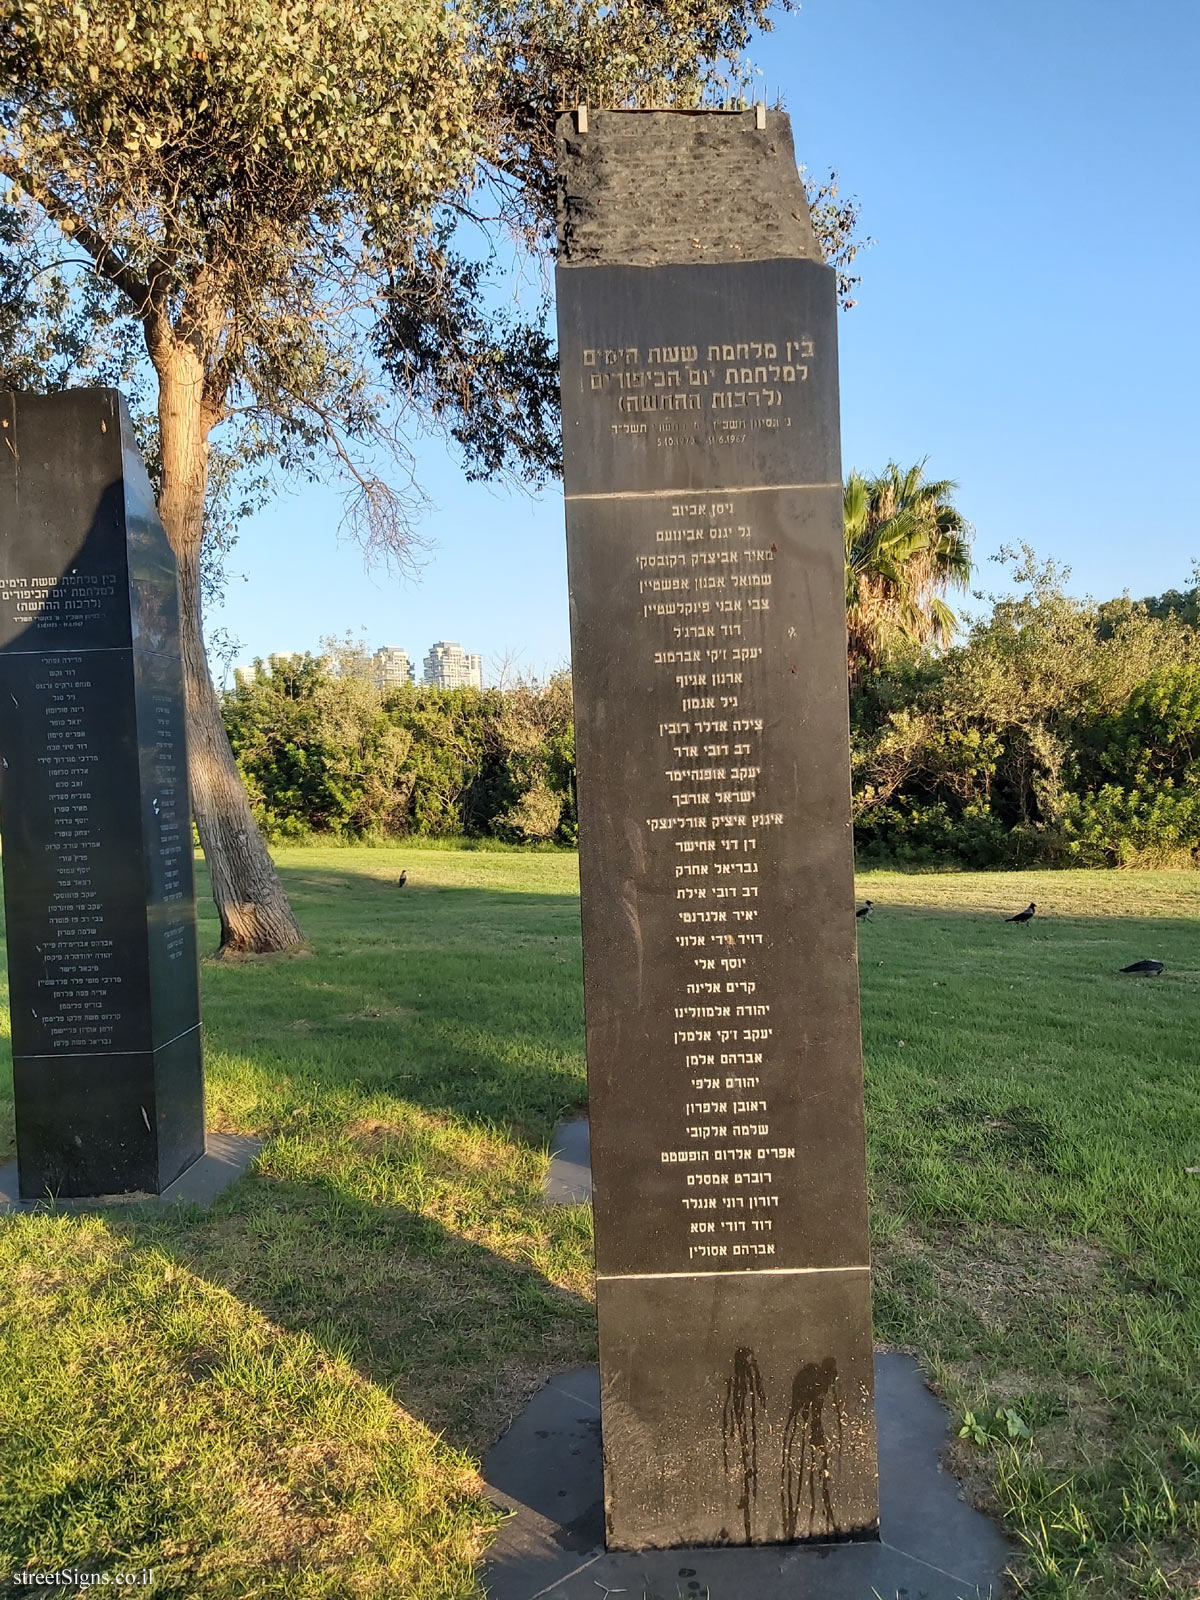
287	1395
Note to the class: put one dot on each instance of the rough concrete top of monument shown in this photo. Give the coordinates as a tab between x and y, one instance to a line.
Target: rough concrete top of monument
645	188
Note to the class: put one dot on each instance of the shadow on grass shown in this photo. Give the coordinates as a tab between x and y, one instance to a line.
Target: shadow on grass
456	1333
406	1078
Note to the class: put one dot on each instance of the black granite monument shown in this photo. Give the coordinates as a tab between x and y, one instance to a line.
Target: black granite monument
697	330
98	892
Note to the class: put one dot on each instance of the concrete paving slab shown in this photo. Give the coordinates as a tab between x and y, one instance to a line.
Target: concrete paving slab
582	1385
921	1508
546	1470
226	1157
827	1572
569	1178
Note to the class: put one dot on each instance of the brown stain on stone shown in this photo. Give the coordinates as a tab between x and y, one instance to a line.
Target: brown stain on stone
744	1396
812	1452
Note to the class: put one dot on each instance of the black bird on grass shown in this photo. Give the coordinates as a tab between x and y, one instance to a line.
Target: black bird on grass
865	911
402	879
1023	916
1149	969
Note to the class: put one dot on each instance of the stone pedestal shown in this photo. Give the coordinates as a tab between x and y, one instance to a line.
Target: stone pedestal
98	891
698	340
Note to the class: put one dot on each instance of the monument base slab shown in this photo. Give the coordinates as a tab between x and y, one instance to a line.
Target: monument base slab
546	1470
569	1175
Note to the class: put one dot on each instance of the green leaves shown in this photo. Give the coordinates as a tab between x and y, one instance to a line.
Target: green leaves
906	544
321	750
256	109
1003	1424
1060	732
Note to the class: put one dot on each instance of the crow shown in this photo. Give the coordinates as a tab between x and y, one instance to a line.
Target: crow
403	879
1151	969
1023	916
866	911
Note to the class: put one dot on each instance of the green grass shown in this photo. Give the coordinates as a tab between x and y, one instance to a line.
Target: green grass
287	1395
1032	1118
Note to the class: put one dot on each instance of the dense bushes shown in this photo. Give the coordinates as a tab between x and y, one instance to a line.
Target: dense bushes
323	752
1059	732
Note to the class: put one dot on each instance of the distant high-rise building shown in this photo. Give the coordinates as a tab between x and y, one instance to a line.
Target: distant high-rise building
391	668
448	666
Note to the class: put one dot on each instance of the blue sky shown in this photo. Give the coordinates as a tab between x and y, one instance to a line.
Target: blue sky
1027	320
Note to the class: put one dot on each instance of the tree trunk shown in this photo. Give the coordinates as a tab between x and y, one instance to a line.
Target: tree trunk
254	911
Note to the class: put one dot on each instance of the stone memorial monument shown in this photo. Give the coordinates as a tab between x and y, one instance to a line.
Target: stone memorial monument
697	331
98	893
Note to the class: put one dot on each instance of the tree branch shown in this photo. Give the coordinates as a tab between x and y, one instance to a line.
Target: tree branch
107	262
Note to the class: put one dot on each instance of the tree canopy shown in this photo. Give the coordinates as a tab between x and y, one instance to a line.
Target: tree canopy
286	198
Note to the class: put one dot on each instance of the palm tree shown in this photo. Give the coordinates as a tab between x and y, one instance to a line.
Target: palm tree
906	546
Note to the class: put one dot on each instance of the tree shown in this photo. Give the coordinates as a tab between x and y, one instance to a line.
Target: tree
268	193
317	750
1181	603
1059	731
906	546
